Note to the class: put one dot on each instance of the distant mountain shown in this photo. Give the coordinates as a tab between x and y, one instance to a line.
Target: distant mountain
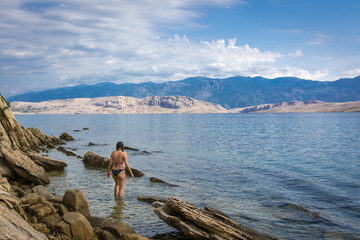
231	92
116	105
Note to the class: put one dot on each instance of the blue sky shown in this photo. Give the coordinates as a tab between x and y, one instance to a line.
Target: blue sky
50	44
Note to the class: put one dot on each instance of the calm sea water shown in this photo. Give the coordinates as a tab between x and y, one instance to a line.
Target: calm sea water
293	176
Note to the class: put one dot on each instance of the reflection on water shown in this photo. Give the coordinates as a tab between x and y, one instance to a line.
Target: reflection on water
117	209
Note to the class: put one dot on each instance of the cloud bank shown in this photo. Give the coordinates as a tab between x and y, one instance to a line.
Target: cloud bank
59	43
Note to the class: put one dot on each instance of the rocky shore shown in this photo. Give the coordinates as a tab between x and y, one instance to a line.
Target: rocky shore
29	211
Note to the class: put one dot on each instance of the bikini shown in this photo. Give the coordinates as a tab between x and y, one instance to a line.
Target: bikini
117	172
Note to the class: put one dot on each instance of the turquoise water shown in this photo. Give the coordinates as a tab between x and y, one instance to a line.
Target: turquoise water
293	176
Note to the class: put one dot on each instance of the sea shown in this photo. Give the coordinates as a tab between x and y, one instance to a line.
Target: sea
287	175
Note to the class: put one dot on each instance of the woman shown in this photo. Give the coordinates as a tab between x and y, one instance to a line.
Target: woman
116	165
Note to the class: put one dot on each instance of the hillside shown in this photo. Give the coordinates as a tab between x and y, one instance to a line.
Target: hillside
231	92
115	105
311	106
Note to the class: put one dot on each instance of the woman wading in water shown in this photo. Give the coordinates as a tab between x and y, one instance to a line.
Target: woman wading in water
116	165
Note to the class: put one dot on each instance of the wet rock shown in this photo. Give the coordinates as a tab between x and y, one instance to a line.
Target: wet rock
91	144
66	137
85	128
208	223
68	153
47	163
75	201
24	166
137	173
151	199
156	180
79	226
94	160
117	228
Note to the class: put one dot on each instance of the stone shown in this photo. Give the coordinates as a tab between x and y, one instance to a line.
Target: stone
80	227
21	212
42	191
208	223
63	227
13	226
94	160
41	227
66	137
47	163
75	201
151	199
137	173
103	234
131	236
116	228
51	221
41	210
68	153
156	180
24	166
57	199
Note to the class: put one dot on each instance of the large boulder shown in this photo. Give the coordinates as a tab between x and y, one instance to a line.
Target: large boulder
47	163
94	160
13	226
23	165
80	227
75	201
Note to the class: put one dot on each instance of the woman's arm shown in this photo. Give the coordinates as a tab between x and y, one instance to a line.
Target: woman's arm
128	166
110	164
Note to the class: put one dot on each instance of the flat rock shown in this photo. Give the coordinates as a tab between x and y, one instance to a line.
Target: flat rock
24	166
47	163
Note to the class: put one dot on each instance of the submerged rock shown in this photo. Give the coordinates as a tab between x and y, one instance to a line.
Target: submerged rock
157	180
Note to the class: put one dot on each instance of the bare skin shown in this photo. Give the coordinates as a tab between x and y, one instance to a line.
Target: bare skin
117	160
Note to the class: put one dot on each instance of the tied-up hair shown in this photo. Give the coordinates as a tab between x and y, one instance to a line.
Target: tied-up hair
120	145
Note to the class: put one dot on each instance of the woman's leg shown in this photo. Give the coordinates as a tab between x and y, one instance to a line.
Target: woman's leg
121	181
116	188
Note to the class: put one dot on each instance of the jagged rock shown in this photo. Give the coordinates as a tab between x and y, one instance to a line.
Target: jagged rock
51	221
47	163
94	160
63	227
208	223
156	180
66	137
24	166
5	195
75	201
13	226
151	199
68	153
41	210
80	227
42	191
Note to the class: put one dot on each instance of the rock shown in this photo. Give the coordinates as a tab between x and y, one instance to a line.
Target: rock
75	201
13	226
116	228
41	210
63	227
51	221
5	169
24	166
57	199
94	160
42	191
151	199
66	137
208	223
91	144
156	180
103	234
5	195
68	153
47	163
43	138
80	227
137	173
85	128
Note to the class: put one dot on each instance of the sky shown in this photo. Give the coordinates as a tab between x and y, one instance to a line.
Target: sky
58	43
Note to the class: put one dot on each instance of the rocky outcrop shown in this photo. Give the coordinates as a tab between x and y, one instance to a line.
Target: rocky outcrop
23	165
66	137
208	223
47	163
94	160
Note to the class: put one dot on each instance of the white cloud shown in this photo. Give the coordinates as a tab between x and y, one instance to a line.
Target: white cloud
353	72
76	41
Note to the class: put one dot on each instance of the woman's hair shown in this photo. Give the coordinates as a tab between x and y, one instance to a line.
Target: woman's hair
120	145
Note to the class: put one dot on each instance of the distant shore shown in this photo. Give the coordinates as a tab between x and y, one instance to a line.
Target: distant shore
170	104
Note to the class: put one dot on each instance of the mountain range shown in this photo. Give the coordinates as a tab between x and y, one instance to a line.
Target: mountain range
233	92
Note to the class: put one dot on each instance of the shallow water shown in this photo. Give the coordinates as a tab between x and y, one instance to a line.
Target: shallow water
293	176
